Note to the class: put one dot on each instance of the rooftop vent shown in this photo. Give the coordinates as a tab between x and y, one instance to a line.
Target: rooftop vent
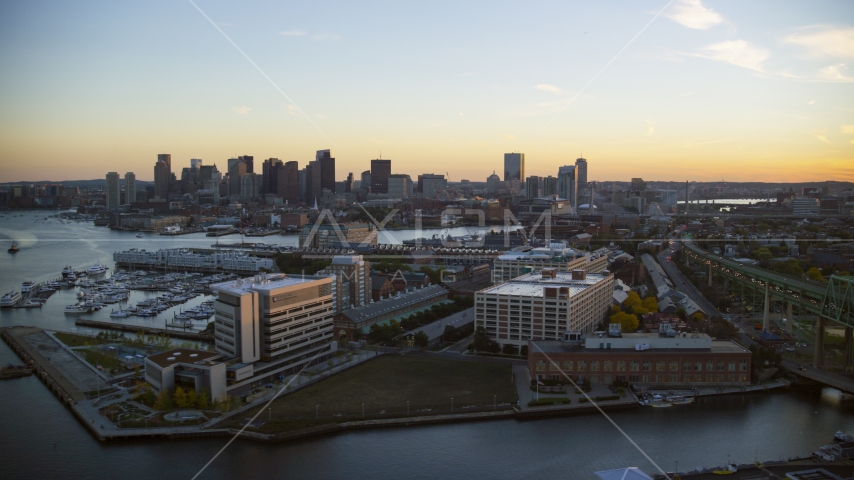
171	359
579	274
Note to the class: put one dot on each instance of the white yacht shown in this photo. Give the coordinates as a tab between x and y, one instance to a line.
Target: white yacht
26	287
96	269
28	303
139	235
73	309
119	314
67	271
10	299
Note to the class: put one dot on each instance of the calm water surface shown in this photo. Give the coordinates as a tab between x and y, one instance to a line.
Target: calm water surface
704	434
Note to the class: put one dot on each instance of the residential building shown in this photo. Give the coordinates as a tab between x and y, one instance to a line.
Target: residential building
325	236
544	304
532	187
514	166
112	191
655	360
558	256
380	171
130	187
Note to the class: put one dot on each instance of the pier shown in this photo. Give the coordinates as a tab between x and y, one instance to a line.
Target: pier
184	335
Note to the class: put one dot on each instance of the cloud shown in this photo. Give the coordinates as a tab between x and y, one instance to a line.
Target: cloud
548	88
243	110
650	127
508	136
461	114
811	102
835	73
819	134
847	129
293	33
693	14
736	52
824	41
294	110
320	116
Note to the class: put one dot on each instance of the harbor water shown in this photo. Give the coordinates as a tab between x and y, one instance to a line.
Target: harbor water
739	428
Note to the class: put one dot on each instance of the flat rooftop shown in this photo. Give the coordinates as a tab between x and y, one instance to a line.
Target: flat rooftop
183	355
531	285
260	283
397	302
556	346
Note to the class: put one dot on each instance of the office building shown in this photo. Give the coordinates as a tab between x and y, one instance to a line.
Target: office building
380	171
166	157
287	182
366	180
270	175
514	166
130	187
196	370
348	184
567	185
581	171
249	161
656	360
805	206
250	185
354	276
557	256
272	325
398	186
313	188
327	170
532	187
392	307
549	186
195	163
112	191
542	305
431	185
337	236
638	185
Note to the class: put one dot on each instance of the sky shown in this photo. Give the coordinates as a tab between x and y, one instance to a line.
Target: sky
664	90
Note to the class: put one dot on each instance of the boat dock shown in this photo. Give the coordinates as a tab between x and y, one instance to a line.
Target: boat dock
182	334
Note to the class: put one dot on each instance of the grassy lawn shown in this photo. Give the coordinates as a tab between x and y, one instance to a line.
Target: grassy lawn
73	340
385	385
96	357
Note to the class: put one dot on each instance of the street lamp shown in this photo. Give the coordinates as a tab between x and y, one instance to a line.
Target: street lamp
452	404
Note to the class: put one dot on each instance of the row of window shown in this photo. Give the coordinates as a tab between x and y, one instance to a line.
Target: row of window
645	365
660	378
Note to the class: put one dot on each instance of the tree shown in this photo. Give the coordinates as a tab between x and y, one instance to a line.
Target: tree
629	322
421	339
651	304
180	397
450	333
633	299
814	274
192	398
482	342
163	401
204	399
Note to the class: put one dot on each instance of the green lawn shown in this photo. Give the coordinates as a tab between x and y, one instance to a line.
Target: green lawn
96	357
73	340
385	385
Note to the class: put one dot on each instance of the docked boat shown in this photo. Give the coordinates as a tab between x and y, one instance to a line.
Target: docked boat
13	248
680	400
15	371
119	314
67	271
10	299
26	287
96	269
28	303
840	436
75	309
139	235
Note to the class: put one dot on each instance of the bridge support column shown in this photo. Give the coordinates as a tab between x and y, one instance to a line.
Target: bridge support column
789	317
818	357
710	274
847	356
766	315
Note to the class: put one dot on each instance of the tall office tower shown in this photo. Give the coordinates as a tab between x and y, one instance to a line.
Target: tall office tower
380	170
398	185
549	186
206	173
532	187
249	160
130	187
581	169
112	191
567	185
327	170
514	166
166	157
161	179
234	176
313	188
285	321
366	180
354	273
195	163
348	185
269	175
303	182
250	185
287	182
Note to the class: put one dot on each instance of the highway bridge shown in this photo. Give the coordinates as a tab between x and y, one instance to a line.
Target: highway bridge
834	380
831	303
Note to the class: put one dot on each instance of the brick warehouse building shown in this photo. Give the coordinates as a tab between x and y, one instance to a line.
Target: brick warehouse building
650	359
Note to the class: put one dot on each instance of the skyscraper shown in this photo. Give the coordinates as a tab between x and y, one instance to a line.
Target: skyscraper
366	180
287	182
532	187
195	163
549	186
130	187
581	170
236	169
270	175
313	188
249	160
166	157
162	176
380	170
567	185
327	170
514	166
112	190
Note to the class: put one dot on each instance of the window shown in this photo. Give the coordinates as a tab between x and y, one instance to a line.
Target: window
686	367
742	366
567	365
674	366
634	366
698	377
720	366
607	365
659	378
582	365
659	366
710	366
621	366
553	366
731	366
633	378
742	378
647	365
710	377
674	378
541	365
698	366
594	366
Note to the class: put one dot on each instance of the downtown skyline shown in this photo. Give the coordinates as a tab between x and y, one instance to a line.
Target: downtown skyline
704	91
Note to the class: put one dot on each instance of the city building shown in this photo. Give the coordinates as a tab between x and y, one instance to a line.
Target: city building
327	170
112	190
398	186
269	173
567	185
544	304
532	187
380	171
162	176
346	235
532	208
272	325
549	186
493	183
657	360
195	370
249	161
354	275
287	182
581	171
805	206
130	187
558	256
431	185
366	180
514	166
